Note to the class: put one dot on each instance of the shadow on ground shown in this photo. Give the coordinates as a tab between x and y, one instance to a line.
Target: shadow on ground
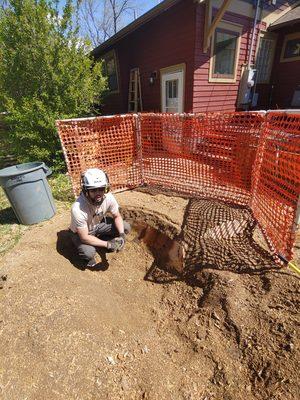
8	217
216	236
65	247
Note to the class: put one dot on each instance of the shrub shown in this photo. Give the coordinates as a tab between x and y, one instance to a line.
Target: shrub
45	74
61	188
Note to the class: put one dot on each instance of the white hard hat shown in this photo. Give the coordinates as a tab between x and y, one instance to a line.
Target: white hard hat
94	178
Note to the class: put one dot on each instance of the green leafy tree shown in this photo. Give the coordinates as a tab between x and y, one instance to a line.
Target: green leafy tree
45	74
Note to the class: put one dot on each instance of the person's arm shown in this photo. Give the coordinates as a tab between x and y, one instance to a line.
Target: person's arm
119	223
85	238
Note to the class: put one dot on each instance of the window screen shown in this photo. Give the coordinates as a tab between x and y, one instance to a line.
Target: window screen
225	47
264	60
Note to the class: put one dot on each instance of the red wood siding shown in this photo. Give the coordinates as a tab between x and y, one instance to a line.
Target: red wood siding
285	78
162	42
176	37
211	96
285	75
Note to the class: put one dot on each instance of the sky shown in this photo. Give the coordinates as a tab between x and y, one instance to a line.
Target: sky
88	30
148	4
144	6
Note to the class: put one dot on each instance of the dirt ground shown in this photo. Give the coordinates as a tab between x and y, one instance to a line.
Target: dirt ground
224	324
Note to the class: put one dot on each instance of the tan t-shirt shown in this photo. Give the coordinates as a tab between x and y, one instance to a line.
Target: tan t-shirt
84	214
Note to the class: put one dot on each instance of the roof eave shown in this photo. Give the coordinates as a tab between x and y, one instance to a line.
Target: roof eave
283	24
154	12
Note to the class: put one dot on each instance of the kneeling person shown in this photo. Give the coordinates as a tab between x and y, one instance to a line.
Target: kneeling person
90	228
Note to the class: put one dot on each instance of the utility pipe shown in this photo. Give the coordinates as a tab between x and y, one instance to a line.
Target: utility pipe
253	32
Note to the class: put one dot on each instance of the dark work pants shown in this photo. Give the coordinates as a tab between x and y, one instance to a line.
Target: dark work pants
106	230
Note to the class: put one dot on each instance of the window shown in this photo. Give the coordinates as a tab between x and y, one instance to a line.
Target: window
291	48
110	70
172	89
172	95
264	58
225	50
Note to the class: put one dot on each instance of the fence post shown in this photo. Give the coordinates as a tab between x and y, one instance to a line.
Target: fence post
258	160
297	217
138	131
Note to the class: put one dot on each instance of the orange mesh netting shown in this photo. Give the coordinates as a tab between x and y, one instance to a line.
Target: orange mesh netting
107	142
209	155
276	181
242	158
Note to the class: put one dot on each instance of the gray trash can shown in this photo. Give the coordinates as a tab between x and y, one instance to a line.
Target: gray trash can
28	192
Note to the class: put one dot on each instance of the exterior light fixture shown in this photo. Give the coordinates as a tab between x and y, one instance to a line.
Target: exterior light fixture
152	78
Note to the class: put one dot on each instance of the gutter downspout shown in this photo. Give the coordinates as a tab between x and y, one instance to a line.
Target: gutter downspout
253	32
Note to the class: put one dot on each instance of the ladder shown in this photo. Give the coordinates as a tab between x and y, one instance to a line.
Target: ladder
135	93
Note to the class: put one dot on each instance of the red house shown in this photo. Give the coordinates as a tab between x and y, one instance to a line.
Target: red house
278	62
205	55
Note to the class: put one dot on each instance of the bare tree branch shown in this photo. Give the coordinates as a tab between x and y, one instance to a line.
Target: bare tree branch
101	19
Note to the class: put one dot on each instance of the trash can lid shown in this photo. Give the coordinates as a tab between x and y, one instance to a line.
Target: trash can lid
20	169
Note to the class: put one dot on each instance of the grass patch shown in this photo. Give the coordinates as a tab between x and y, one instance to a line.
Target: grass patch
10	228
61	188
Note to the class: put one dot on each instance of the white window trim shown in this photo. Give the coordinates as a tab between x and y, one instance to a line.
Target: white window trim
236	28
106	55
286	39
269	36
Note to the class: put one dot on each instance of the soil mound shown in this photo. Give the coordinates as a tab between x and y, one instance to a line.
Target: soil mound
193	308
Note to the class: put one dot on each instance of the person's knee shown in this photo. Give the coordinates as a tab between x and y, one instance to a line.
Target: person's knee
86	252
127	227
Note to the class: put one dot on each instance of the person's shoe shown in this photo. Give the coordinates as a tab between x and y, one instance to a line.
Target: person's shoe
91	263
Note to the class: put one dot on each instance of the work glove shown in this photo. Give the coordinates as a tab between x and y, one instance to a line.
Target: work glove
123	236
116	244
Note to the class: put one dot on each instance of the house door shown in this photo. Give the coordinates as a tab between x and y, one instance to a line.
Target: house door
172	91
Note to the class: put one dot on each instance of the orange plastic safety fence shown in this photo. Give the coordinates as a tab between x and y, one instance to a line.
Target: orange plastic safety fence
209	155
243	158
106	142
276	181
